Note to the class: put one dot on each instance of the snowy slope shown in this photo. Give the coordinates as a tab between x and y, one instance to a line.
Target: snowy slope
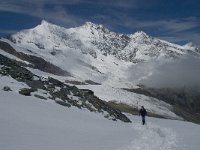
152	105
30	123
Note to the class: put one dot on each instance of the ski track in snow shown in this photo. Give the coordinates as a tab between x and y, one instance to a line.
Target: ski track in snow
152	137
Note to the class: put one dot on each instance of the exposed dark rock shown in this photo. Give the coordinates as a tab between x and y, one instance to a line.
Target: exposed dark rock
88	91
92	82
39	45
36	84
38	62
7	88
40	97
75	82
26	91
53	53
63	103
55	82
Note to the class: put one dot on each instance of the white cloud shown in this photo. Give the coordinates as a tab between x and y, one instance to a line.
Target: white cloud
170	25
180	72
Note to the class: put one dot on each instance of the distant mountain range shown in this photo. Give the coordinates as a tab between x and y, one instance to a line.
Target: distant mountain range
95	39
91	51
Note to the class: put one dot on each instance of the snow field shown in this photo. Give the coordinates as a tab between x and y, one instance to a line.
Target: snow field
30	123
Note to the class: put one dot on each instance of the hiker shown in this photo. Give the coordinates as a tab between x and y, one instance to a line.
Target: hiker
143	113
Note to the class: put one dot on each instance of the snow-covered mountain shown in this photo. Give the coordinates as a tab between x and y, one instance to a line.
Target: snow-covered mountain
92	54
94	39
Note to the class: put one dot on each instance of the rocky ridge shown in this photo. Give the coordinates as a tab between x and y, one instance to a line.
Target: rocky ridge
52	89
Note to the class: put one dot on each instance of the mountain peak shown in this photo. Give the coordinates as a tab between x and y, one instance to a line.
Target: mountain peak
190	44
141	34
94	26
89	24
46	23
46	26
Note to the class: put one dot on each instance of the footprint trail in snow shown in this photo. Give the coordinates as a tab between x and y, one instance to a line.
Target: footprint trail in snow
152	137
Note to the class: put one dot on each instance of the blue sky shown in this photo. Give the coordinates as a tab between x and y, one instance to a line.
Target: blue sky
172	20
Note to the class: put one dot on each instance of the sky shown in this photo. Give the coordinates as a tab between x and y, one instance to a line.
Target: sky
177	21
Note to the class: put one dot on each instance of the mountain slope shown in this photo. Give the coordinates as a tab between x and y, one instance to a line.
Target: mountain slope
91	54
29	84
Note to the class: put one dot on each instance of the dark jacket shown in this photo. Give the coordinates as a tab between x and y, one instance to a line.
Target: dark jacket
143	112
